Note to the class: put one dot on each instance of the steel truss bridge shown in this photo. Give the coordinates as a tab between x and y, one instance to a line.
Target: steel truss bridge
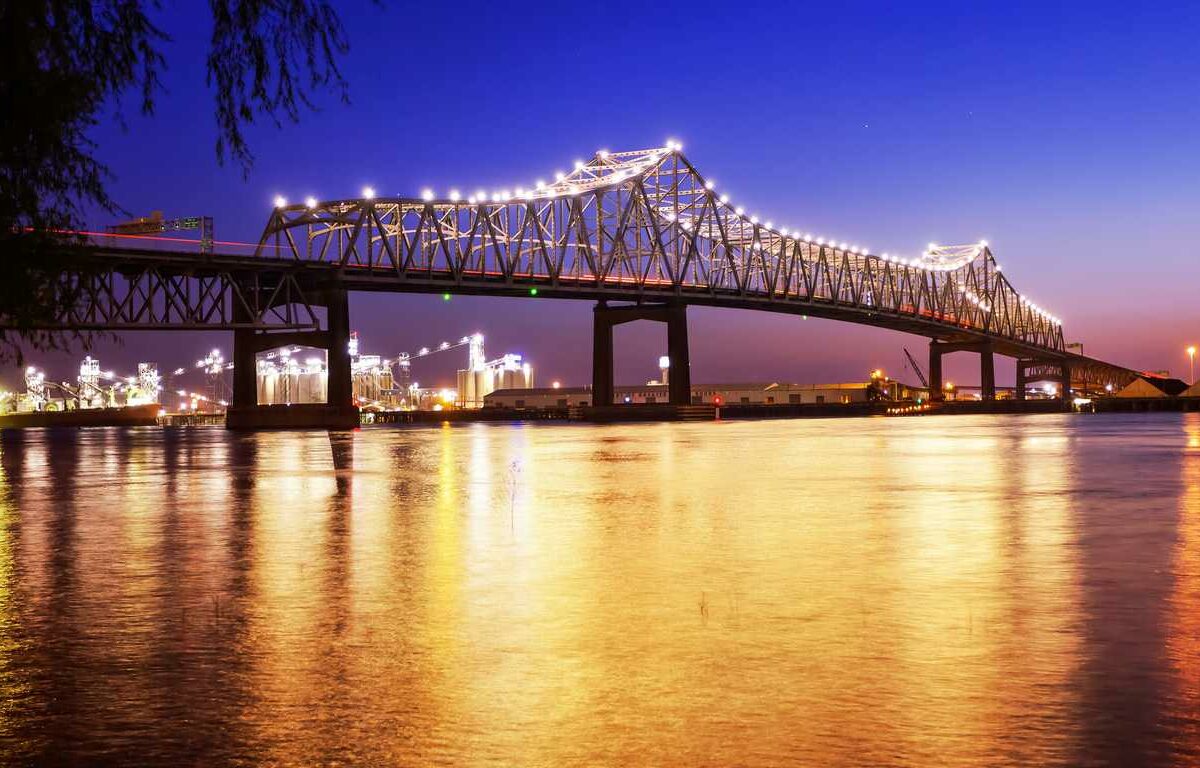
642	229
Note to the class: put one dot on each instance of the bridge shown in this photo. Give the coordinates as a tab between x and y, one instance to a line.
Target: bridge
643	234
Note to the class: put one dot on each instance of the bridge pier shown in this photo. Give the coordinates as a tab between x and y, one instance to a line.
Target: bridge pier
987	366
337	412
604	318
987	372
1058	371
936	392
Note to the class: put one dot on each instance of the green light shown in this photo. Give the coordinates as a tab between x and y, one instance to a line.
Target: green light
445	297
533	291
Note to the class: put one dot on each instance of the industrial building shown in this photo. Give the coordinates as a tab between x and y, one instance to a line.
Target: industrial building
1154	387
284	380
93	389
299	375
482	377
769	393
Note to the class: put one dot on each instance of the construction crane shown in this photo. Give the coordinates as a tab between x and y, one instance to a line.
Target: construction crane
916	368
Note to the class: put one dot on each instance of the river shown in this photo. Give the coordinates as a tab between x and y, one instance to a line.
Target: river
971	590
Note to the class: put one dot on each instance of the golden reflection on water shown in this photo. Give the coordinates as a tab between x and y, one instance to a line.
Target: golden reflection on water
841	592
1184	614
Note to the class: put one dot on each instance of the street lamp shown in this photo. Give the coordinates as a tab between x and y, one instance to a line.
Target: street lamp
1192	364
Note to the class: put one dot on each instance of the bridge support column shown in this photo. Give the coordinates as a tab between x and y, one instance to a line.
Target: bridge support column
604	318
987	373
1020	389
245	367
936	393
245	370
679	384
339	387
602	356
1064	383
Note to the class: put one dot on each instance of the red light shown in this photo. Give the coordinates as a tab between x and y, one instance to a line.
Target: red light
717	400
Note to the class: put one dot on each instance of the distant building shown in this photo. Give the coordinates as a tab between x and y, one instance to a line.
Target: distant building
769	393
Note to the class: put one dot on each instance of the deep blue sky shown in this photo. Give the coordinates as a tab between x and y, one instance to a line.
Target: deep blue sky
1065	134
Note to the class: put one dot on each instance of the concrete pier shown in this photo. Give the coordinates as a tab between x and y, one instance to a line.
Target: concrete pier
605	317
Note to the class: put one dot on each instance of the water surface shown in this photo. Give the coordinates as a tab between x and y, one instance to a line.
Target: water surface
936	590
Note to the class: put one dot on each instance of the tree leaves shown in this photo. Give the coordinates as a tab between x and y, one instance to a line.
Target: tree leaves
64	63
266	57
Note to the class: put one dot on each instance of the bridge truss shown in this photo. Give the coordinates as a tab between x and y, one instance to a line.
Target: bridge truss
647	226
151	290
642	227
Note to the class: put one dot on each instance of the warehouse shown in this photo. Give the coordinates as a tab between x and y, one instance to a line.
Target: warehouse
768	393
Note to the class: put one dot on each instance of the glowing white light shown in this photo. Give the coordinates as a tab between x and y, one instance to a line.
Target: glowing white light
709	184
427	195
454	195
983	243
740	211
820	241
368	193
724	198
280	201
753	219
579	165
844	246
603	154
311	202
539	184
559	175
472	199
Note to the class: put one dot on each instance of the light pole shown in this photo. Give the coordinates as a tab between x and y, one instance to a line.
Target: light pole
1191	364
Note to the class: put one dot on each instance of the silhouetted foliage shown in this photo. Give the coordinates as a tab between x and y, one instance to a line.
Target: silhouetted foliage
65	64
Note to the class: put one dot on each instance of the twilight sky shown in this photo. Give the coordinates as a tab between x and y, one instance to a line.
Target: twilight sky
1063	133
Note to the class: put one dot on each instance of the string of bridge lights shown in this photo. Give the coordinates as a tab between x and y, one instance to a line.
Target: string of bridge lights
542	189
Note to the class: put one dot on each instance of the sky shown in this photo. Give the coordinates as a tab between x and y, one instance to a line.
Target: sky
1065	134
